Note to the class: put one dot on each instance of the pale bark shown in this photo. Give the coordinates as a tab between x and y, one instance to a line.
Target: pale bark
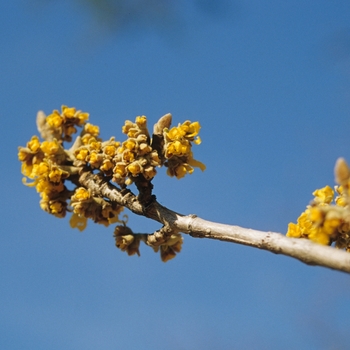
302	249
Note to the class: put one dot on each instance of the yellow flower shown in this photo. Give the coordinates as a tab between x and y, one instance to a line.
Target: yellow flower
50	147
45	205
110	150
70	130
40	169
77	221
114	215
57	208
169	249
316	215
330	226
86	138
149	172
192	129
317	235
82	118
141	121
175	133
180	171
128	156
197	140
107	165
126	241
68	112
144	148
43	185
56	174
95	159
324	195
187	130
81	153
27	170
34	144
177	148
71	113
341	200
22	154
130	144
120	170
128	244
293	230
128	125
54	120
166	253
93	130
134	168
95	145
81	194
111	213
304	222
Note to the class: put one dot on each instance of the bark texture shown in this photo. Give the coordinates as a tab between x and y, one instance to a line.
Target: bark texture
302	249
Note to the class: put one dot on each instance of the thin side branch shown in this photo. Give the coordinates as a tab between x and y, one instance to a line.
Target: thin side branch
304	250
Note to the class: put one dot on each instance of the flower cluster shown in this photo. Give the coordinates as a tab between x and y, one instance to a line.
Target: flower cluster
169	249
41	163
327	219
178	149
129	242
62	125
91	151
86	206
137	156
50	165
126	241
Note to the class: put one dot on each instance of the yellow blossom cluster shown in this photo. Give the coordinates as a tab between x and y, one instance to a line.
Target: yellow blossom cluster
136	156
50	165
96	154
126	241
86	206
41	163
123	162
62	125
178	149
169	249
327	219
129	242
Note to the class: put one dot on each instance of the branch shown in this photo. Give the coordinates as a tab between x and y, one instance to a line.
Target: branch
94	164
301	249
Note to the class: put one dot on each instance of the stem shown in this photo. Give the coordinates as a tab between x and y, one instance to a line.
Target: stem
301	249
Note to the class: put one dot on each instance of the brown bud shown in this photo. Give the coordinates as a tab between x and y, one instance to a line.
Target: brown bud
163	122
341	171
43	128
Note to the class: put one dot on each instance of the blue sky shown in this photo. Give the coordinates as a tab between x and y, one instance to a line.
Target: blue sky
270	84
